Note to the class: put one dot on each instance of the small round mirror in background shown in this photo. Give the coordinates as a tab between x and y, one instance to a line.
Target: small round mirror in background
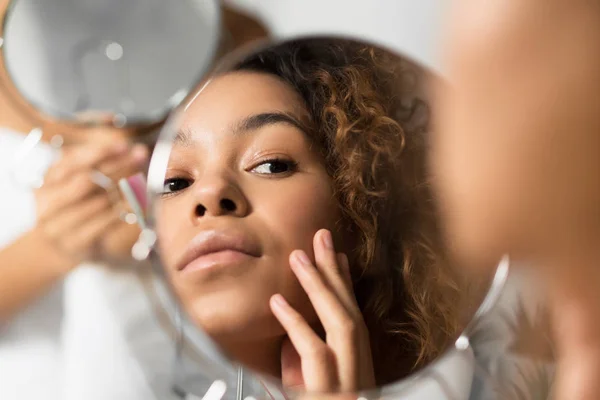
89	61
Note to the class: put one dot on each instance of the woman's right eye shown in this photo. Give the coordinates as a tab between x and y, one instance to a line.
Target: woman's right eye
174	185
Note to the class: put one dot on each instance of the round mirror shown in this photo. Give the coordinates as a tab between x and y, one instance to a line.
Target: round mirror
108	61
295	237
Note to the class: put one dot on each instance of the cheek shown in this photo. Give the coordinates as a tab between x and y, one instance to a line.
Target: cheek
298	212
169	221
291	217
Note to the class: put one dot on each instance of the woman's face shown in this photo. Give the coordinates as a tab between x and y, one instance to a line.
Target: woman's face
244	188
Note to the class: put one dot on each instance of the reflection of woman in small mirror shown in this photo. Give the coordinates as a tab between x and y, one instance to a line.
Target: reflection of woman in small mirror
305	155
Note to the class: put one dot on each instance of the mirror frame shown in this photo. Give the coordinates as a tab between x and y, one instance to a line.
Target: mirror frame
41	116
202	343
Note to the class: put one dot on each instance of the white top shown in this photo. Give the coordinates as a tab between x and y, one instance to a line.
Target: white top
93	336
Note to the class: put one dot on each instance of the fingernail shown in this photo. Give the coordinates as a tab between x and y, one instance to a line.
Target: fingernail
344	260
327	239
302	258
279	300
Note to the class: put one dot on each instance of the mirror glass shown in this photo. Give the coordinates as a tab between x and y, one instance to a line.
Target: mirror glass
89	60
295	237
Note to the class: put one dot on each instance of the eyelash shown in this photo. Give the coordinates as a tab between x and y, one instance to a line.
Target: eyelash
291	165
174	180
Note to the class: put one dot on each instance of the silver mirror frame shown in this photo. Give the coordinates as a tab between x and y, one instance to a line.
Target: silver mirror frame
219	364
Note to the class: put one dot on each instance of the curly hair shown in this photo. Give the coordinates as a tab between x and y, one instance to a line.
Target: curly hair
374	149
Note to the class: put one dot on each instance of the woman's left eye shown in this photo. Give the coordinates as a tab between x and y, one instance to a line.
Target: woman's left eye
271	167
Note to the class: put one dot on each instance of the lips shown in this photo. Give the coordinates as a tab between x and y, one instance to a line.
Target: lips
212	247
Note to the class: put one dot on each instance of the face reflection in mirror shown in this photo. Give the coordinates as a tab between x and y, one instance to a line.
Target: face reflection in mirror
300	141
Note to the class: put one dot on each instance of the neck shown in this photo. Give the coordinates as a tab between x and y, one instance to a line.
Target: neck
263	356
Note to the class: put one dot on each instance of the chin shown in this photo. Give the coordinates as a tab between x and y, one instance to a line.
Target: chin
235	319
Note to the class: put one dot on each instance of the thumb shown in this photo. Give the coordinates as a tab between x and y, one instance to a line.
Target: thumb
291	366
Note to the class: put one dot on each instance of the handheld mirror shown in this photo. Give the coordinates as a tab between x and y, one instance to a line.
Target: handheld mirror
296	240
70	64
83	60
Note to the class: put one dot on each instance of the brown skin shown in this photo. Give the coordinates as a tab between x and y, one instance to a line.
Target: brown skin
517	154
77	215
106	238
279	213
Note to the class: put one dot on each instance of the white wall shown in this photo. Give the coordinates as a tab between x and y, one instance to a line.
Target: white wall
408	26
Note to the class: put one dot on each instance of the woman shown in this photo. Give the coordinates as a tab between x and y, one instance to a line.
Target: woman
305	156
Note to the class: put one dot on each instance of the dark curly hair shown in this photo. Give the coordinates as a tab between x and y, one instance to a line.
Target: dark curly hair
374	147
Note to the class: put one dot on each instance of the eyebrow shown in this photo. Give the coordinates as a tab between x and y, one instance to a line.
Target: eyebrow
252	123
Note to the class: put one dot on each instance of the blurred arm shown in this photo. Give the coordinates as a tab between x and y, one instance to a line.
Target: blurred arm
28	268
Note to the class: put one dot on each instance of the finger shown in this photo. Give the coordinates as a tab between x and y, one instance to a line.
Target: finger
330	310
52	199
344	264
344	330
366	379
318	364
89	234
327	263
291	367
81	157
76	216
119	242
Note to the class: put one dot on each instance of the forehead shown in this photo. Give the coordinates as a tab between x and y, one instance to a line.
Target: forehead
237	95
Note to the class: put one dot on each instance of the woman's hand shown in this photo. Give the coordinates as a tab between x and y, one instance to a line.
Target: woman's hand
75	213
342	362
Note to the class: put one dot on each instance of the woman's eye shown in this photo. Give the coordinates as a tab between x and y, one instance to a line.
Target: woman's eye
175	185
270	167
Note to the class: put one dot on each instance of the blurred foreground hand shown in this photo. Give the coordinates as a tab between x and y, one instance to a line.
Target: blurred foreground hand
517	158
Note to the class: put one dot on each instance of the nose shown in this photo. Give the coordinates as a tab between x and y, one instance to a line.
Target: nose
218	197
